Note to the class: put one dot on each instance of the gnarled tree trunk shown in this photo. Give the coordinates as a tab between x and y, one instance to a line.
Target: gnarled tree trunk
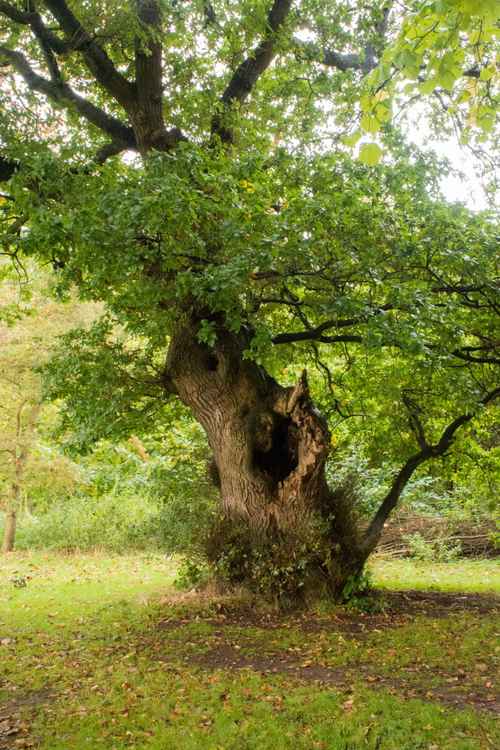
283	531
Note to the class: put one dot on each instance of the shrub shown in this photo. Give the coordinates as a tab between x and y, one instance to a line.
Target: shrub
437	550
82	523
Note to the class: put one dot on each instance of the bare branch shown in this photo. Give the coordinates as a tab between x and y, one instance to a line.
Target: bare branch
290	338
402	478
39	31
33	19
365	61
317	333
466	356
247	74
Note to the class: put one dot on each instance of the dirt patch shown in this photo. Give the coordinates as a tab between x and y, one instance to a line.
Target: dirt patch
229	651
14	728
243	650
454	691
438	603
395	608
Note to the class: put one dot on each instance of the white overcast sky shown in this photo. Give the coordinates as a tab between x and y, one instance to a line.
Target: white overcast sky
466	188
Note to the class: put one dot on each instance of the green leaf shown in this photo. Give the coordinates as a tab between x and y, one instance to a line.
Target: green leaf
370	124
370	154
487	73
352	139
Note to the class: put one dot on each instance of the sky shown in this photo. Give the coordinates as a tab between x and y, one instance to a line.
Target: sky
466	189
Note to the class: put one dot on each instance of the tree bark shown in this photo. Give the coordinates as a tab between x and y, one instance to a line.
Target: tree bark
9	534
270	447
20	454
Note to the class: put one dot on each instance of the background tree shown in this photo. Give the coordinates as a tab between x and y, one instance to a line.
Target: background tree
241	235
29	323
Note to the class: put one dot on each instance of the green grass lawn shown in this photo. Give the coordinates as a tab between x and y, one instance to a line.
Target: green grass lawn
481	576
100	652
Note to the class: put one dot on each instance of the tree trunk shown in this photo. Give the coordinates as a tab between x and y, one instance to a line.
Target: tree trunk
9	532
282	531
20	453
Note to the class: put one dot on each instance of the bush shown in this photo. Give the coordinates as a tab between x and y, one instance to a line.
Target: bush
84	523
437	550
191	575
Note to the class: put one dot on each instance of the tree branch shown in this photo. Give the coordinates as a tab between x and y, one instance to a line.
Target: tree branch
247	74
316	334
96	59
466	356
147	116
402	478
44	41
290	338
60	92
148	65
365	61
32	18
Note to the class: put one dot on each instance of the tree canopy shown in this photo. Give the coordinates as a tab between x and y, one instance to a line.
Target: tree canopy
190	165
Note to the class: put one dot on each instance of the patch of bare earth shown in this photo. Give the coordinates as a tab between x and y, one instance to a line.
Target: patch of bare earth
455	688
14	727
394	608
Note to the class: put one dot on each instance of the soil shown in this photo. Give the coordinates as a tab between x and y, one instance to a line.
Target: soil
456	688
14	731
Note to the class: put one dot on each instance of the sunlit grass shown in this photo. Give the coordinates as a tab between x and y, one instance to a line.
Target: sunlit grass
87	632
481	576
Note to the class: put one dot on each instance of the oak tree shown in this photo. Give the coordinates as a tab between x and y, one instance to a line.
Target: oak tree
190	166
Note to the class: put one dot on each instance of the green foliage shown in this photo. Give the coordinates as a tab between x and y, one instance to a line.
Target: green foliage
356	593
446	48
109	522
357	269
191	575
437	550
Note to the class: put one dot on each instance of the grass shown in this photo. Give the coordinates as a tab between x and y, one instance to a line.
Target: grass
473	576
98	652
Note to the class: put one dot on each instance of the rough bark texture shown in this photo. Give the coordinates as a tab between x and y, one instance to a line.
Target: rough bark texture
269	444
269	447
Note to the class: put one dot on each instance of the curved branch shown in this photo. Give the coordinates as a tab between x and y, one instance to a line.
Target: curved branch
33	19
365	61
291	338
402	478
95	57
466	355
62	93
247	74
316	334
